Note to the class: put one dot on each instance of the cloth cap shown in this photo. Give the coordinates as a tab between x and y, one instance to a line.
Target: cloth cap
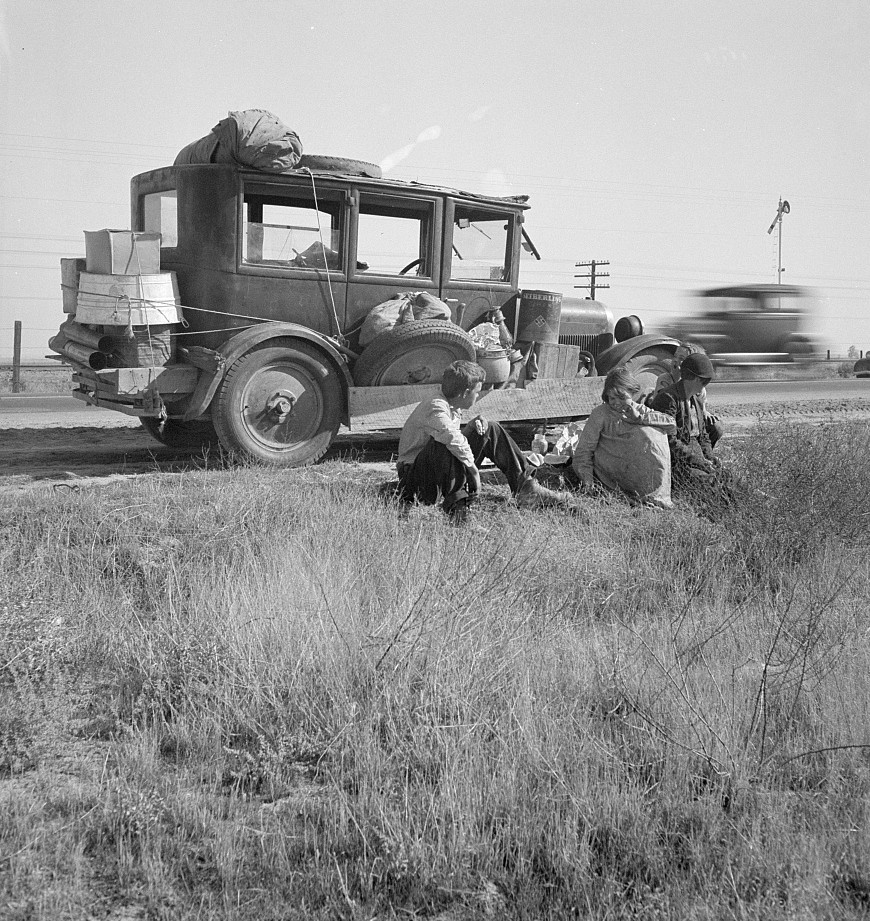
698	365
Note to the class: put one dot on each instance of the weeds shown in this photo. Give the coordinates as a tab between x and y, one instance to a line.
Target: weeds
315	707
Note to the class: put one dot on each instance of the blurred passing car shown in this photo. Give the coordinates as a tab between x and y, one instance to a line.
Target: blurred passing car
751	323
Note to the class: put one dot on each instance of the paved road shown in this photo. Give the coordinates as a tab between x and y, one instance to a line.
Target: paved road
45	439
720	393
41	403
790	391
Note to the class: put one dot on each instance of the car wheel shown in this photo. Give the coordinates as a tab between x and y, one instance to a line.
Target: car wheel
280	404
317	163
648	367
799	349
416	352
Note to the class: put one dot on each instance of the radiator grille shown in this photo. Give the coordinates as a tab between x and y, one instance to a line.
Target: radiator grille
593	344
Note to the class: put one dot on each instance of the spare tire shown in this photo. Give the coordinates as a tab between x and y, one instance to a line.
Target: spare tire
627	328
317	163
416	352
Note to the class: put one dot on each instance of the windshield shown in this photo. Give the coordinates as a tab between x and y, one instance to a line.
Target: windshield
480	241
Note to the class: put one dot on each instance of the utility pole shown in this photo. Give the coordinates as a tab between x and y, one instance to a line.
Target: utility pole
784	208
592	275
16	357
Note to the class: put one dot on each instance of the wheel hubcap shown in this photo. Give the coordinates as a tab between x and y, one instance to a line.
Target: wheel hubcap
282	405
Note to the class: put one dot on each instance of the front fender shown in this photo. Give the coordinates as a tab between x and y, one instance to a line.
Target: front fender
621	352
236	346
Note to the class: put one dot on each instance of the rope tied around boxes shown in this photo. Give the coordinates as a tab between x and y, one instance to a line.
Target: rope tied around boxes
339	338
129	300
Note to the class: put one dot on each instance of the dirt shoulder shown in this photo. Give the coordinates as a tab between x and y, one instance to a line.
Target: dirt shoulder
68	449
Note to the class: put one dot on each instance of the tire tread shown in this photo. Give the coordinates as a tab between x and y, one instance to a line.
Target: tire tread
388	345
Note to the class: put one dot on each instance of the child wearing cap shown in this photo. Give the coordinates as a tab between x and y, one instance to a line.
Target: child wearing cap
711	422
693	463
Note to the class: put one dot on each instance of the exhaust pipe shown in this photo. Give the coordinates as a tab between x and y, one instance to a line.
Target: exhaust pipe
75	332
82	355
82	346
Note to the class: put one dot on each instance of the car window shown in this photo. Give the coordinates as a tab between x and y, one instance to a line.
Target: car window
394	237
289	230
785	303
480	240
161	215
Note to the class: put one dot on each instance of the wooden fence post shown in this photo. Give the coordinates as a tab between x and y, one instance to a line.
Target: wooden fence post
16	358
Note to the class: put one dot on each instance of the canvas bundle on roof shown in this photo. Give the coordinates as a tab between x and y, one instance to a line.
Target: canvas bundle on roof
253	137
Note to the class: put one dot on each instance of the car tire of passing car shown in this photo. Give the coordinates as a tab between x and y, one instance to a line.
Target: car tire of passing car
799	349
280	404
649	366
317	163
196	435
416	352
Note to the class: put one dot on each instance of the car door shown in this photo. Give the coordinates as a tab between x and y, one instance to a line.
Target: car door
480	259
393	249
293	253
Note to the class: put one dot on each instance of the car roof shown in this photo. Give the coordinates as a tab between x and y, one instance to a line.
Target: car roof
754	291
512	201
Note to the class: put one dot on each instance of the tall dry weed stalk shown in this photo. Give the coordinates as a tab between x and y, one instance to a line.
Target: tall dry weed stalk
290	699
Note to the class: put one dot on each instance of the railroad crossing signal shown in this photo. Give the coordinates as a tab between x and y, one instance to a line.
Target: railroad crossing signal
592	275
784	208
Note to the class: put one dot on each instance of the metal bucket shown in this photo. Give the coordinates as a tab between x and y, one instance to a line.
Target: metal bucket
539	315
128	300
496	364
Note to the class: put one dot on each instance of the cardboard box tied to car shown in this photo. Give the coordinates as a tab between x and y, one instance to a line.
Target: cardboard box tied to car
122	252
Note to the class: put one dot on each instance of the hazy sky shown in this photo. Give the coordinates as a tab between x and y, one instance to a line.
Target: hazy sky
656	135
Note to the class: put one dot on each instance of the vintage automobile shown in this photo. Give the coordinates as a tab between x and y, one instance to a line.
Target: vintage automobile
275	275
751	322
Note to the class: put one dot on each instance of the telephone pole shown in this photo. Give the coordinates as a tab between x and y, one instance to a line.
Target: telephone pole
592	275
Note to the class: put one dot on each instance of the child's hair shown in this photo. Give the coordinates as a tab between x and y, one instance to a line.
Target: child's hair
461	376
620	379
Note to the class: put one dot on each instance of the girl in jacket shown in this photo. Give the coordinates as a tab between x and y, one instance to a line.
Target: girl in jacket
624	445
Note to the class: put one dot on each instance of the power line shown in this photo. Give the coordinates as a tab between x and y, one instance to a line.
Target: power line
45	252
33	236
614	188
631	188
70	201
47	137
125	165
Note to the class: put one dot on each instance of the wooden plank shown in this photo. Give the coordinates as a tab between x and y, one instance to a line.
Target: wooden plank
168	379
557	360
385	408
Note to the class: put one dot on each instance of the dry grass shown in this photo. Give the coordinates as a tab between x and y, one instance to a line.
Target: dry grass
52	378
262	694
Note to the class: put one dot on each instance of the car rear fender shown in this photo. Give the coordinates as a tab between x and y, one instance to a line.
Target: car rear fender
621	352
243	342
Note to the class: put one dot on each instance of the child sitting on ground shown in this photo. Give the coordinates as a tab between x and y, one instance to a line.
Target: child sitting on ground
439	457
624	444
712	423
